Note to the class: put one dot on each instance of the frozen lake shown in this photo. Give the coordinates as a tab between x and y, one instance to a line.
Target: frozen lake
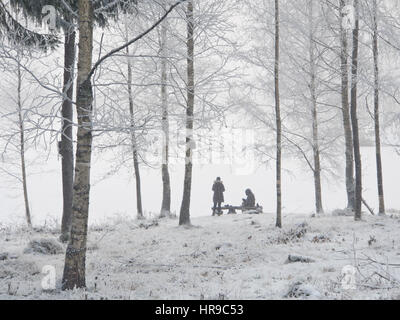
116	195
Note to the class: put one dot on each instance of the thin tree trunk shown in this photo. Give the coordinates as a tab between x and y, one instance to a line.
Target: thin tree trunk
75	258
278	124
346	115
134	142
22	148
184	217
354	119
138	183
166	200
66	144
316	150
376	113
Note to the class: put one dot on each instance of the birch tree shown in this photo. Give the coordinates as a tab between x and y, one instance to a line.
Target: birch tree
354	116
75	259
184	217
66	11
134	143
65	21
22	143
378	152
278	123
16	137
314	111
166	197
20	41
345	106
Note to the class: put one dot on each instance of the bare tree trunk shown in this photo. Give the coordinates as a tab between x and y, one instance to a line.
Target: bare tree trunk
134	143
75	258
66	145
138	182
184	217
278	124
376	112
346	115
354	119
316	150
22	148
166	200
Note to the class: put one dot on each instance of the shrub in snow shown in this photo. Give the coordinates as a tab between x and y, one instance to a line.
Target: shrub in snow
48	229
321	239
302	290
3	256
294	259
17	268
328	269
371	240
343	213
198	254
44	246
223	245
293	235
148	224
393	212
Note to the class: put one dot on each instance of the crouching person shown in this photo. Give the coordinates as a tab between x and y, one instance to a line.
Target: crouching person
250	201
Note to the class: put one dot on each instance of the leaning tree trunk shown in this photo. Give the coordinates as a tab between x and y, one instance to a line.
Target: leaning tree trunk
66	145
354	119
376	113
166	200
346	115
22	147
184	217
75	258
278	124
316	150
134	143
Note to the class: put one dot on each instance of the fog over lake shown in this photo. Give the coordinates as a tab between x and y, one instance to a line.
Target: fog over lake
115	195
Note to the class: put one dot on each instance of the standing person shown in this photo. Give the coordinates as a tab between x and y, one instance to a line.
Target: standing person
219	189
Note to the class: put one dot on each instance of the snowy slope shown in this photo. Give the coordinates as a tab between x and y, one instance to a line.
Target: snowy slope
228	257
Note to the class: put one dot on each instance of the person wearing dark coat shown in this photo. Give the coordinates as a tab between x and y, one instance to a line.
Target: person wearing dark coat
250	202
219	189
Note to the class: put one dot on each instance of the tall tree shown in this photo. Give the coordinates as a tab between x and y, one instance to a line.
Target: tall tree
75	259
66	148
184	218
314	112
67	13
278	123
134	142
346	109
166	200
22	141
354	116
66	20
22	38
375	48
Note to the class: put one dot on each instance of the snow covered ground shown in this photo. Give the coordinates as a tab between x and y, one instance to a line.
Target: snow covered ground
228	257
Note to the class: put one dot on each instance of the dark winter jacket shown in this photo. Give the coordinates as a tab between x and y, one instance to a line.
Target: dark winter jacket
219	189
250	202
